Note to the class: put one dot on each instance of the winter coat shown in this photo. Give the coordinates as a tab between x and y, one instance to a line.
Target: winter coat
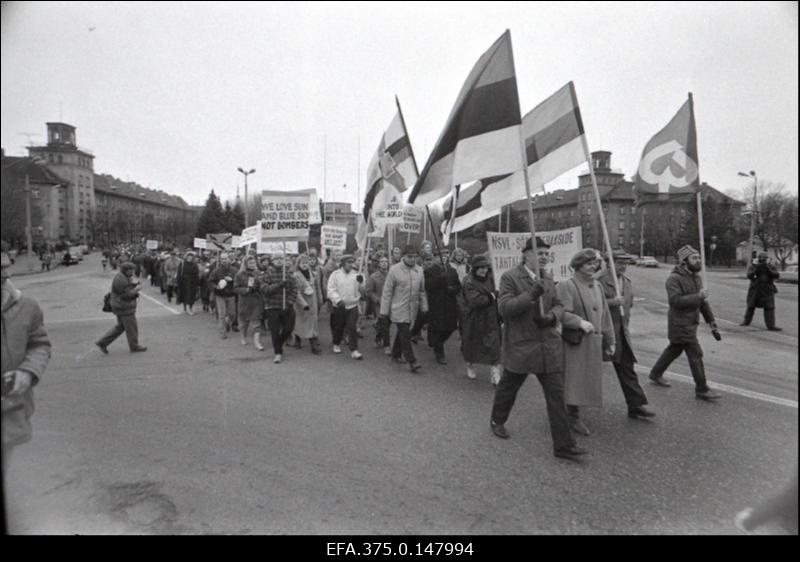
171	266
528	347
622	319
480	336
344	287
228	273
761	293
123	295
273	289
25	347
251	304
375	287
583	363
306	323
188	281
404	293
442	287
685	305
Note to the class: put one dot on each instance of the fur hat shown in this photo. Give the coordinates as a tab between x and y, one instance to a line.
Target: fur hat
480	261
685	252
582	257
127	266
539	244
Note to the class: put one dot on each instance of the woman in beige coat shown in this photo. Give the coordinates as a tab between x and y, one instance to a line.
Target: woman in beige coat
585	309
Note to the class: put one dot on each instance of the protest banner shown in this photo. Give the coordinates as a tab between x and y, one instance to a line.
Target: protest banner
236	241
285	215
219	242
505	251
277	247
250	235
412	219
152	245
333	237
200	243
391	214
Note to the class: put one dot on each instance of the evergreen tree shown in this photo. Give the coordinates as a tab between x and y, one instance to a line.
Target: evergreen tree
233	218
211	220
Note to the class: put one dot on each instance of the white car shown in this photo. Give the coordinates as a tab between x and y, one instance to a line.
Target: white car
648	261
789	274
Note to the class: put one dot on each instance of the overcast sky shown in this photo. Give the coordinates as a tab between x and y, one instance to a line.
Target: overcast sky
176	96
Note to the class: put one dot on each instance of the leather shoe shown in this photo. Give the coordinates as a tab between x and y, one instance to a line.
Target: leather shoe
576	425
570	453
102	348
399	360
441	360
499	430
640	413
775	329
660	381
414	367
708	395
138	348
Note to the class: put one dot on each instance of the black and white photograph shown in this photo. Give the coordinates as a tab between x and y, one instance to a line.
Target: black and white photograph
399	278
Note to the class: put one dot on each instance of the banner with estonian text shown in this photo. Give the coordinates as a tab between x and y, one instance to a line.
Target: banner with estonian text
505	251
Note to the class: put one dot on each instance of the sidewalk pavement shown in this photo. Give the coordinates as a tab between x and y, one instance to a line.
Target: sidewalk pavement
29	264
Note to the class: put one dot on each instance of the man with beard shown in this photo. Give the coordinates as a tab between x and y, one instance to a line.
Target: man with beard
687	301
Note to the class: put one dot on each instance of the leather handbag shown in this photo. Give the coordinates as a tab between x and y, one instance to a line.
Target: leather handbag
574	336
107	303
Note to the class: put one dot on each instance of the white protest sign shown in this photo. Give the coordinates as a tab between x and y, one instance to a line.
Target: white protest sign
219	242
152	245
334	237
200	243
505	251
236	241
412	219
285	214
250	235
277	247
391	214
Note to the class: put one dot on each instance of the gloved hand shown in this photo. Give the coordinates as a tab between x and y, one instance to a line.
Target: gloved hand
614	301
306	307
715	332
587	327
360	278
340	305
537	290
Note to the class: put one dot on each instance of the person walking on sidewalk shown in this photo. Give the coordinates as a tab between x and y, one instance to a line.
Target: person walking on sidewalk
761	293
279	291
623	358
124	297
688	299
345	289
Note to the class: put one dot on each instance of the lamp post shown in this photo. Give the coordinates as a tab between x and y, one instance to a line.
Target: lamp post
252	171
753	212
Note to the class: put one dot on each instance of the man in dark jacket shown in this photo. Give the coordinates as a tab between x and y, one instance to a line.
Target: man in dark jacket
279	291
623	358
221	281
531	310
687	301
124	294
442	286
761	294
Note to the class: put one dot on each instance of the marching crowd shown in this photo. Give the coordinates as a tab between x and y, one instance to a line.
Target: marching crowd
562	333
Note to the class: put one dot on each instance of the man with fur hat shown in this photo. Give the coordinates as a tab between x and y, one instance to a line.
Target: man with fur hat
345	289
623	357
124	294
25	354
687	301
531	309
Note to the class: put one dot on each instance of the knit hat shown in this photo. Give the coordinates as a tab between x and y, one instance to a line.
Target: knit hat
346	257
480	261
582	258
127	266
685	252
539	244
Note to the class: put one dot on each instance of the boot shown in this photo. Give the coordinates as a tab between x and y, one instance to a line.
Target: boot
257	341
471	372
316	348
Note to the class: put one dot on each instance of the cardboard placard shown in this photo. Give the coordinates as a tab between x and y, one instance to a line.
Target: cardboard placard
152	245
286	215
412	219
505	251
334	237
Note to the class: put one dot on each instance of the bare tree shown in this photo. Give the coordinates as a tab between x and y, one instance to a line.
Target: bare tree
775	218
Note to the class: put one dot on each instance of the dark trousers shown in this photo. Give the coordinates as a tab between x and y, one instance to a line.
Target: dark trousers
694	353
402	343
628	381
125	324
416	329
345	321
437	338
383	328
281	324
553	388
171	290
769	316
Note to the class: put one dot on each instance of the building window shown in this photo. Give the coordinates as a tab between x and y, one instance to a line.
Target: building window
622	225
60	159
622	210
621	241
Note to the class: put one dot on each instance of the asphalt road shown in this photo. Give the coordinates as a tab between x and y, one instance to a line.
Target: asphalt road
201	435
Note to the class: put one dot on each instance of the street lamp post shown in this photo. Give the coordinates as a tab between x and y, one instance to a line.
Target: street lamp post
246	217
753	211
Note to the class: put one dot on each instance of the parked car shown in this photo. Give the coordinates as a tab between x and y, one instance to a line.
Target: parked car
76	253
647	261
12	255
789	274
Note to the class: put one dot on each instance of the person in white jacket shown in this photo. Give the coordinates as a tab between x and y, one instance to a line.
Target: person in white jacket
345	289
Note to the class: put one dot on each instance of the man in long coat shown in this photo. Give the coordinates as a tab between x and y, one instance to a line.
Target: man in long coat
687	301
761	293
531	310
442	286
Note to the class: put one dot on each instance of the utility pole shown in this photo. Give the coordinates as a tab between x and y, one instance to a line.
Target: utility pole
246	217
749	258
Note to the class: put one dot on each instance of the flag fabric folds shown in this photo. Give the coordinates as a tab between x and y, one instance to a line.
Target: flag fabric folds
481	137
668	165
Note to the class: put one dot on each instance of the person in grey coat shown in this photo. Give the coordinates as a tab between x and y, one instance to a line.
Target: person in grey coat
761	293
687	301
531	310
124	294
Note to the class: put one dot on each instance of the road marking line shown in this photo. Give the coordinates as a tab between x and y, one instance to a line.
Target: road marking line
161	304
98	318
734	390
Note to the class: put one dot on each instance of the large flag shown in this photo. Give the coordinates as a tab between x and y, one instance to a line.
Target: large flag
554	144
669	160
481	137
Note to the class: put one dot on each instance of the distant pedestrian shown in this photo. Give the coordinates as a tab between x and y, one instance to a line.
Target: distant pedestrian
279	291
761	293
345	289
188	281
124	296
25	355
171	267
688	299
47	259
247	285
480	339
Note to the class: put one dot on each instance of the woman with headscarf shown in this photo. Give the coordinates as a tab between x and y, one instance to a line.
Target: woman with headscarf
188	283
306	307
586	314
480	340
246	285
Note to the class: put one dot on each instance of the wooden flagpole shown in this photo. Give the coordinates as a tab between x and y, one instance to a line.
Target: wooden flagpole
699	208
284	273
